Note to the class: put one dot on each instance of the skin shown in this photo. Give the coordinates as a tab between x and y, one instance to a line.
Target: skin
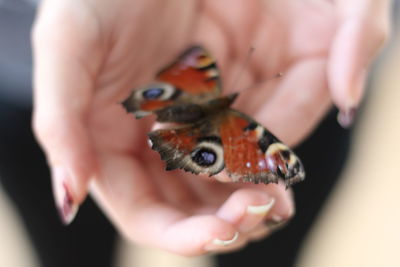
89	54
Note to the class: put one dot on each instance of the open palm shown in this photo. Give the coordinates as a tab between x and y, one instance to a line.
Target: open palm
97	51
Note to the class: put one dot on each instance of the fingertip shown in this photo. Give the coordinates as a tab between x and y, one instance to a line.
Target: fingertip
65	198
71	158
200	234
239	202
285	206
246	208
355	44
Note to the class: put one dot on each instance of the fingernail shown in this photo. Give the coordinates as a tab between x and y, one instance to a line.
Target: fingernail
254	215
355	93
67	207
276	222
262	209
225	243
218	243
346	117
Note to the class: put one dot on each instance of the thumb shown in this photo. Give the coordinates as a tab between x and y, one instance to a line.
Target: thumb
63	90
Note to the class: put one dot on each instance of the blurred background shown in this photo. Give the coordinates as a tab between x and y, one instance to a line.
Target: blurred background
360	222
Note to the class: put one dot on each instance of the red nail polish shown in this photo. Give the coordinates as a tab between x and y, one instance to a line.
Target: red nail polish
68	209
66	205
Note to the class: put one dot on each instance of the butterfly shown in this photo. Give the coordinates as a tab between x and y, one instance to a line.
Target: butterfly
209	136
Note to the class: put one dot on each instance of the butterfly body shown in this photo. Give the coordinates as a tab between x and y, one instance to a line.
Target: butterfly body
210	136
191	112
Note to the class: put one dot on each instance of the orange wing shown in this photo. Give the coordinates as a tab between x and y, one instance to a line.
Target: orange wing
195	72
194	148
191	80
232	141
253	154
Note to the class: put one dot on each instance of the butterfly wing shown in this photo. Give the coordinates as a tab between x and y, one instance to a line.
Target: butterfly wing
253	154
189	82
232	141
195	148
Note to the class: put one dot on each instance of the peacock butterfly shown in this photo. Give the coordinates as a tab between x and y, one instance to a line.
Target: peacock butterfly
211	136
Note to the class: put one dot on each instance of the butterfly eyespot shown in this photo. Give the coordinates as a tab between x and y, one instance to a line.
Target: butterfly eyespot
285	154
296	168
152	93
280	172
208	157
156	91
204	157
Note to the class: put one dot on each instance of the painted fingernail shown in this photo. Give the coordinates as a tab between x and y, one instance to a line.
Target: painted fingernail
355	94
67	207
218	243
262	209
346	117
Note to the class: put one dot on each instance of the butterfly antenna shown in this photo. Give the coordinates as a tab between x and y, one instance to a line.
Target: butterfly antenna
245	64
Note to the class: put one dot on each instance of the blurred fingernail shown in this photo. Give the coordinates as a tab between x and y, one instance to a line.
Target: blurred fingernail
218	243
67	208
355	93
262	209
255	214
276	222
224	243
346	117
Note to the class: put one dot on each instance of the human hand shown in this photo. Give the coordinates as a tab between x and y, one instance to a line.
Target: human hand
89	54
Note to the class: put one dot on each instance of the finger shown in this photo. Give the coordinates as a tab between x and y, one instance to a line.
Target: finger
259	232
362	30
127	193
248	207
299	103
268	227
63	89
176	189
239	31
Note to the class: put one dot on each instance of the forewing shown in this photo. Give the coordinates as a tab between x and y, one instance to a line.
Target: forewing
192	80
195	73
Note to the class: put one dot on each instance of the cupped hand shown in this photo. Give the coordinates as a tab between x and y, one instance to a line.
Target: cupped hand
89	54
